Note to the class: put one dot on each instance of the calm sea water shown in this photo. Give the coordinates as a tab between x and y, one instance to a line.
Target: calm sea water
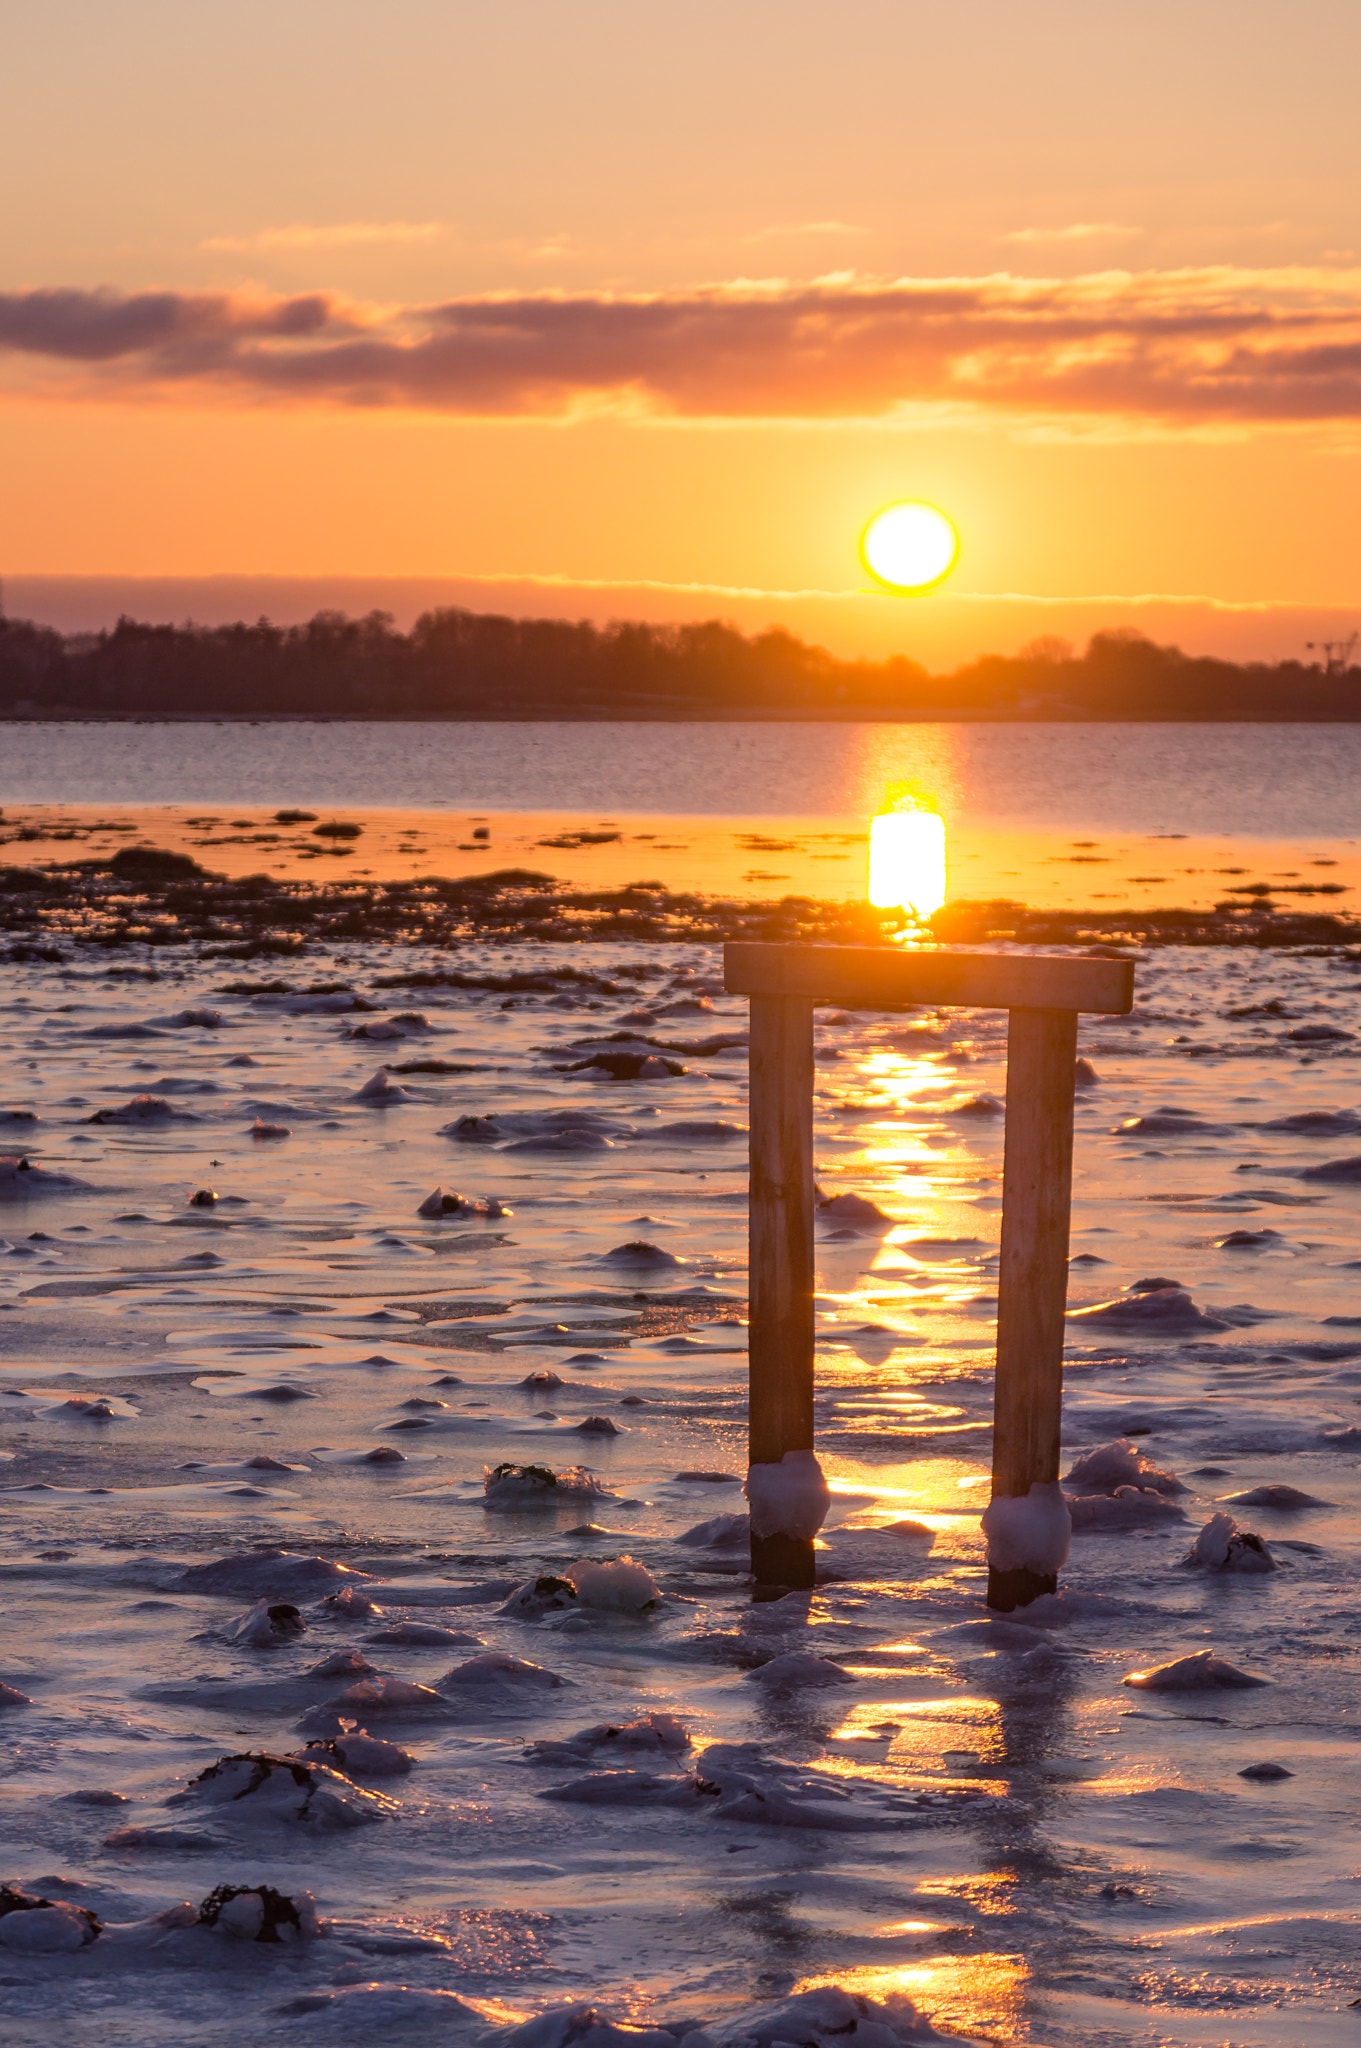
1272	782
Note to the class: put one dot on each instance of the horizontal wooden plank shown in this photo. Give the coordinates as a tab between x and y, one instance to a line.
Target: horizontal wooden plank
886	978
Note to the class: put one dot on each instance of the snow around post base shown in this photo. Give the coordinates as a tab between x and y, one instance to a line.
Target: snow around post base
1029	1532
788	1499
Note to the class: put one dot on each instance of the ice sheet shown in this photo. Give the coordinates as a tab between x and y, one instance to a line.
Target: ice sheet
917	1802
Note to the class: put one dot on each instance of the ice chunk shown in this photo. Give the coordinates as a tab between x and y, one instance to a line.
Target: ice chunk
653	1735
264	1627
1117	1464
547	1594
1166	1311
356	1751
259	1913
638	1252
37	1926
1347	1171
1274	1496
141	1109
443	1202
1200	1672
276	1574
534	1486
473	1130
1317	1123
1029	1532
262	1787
788	1499
496	1671
581	2026
746	1786
984	1105
826	2018
402	1025
1223	1547
624	1586
720	1532
22	1180
351	1603
567	1140
856	1212
797	1669
368	1697
382	1090
342	1664
1170	1122
424	1634
1129	1507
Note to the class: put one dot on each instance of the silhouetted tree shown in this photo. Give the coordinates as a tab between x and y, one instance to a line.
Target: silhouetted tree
469	665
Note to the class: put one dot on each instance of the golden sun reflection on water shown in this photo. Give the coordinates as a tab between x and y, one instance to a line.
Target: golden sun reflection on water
978	1996
907	861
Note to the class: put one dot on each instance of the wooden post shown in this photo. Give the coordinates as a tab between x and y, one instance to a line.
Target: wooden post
1037	1178
781	1282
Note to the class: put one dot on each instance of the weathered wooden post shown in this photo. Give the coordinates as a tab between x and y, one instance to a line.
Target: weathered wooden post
1043	996
1032	1284
780	1410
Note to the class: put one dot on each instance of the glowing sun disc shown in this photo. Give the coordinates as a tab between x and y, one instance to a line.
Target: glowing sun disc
910	546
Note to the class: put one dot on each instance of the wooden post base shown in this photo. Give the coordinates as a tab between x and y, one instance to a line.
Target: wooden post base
784	1561
1009	1590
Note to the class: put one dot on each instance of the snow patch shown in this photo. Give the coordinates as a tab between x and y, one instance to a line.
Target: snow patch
788	1499
1029	1532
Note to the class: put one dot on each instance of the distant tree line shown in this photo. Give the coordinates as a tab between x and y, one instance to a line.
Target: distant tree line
467	665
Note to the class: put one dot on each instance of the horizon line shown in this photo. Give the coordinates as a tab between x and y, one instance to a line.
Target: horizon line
750	593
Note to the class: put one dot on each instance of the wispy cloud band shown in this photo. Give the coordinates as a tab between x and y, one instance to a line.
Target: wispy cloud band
1187	346
337	235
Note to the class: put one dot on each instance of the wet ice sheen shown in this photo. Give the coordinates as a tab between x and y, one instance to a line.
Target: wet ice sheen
636	1794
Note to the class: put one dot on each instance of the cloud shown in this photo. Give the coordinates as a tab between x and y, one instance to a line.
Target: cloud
342	235
1187	346
1076	231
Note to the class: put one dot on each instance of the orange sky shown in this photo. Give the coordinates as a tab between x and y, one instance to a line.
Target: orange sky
638	299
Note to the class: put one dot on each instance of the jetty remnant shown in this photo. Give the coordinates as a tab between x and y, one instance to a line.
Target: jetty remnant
1043	996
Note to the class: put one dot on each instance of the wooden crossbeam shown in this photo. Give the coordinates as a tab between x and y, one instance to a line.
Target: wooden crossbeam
1044	995
885	978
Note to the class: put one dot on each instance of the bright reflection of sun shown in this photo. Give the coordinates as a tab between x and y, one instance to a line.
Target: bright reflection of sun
980	1994
907	861
909	547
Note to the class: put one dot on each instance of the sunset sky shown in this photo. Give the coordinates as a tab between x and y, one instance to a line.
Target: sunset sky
581	307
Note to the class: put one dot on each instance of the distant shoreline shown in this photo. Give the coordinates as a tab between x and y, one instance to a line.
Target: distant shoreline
740	715
463	668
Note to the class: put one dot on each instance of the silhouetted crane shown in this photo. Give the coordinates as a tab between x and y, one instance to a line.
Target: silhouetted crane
1337	654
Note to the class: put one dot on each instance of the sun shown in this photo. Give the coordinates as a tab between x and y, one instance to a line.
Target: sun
909	547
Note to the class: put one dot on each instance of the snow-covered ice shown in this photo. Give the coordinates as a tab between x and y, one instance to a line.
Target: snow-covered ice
481	1730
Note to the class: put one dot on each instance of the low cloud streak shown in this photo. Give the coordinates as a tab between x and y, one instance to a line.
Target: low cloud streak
1183	347
1076	231
340	235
